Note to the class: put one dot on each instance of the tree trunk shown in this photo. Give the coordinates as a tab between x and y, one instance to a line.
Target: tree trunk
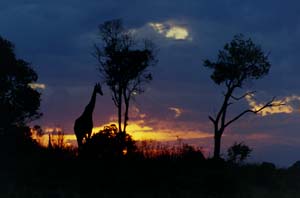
120	110
217	148
126	114
126	102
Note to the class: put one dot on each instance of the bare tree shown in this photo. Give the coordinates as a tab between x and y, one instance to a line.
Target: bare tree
239	62
123	65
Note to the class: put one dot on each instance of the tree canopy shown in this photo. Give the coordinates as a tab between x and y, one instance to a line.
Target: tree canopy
240	60
123	65
19	103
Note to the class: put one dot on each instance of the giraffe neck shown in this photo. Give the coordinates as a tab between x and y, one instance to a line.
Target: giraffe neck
90	107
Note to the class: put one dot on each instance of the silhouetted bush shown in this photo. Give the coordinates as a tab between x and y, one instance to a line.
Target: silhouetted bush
238	152
189	152
168	171
295	166
268	166
17	141
175	152
109	144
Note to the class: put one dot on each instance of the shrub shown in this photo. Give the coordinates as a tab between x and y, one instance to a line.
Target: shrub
238	152
109	144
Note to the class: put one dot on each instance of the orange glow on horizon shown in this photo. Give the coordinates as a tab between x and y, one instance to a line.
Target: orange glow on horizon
139	132
137	129
55	135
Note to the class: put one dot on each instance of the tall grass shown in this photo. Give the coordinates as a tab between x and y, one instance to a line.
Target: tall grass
155	170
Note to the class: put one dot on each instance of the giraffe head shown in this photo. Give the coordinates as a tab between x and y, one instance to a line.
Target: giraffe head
98	89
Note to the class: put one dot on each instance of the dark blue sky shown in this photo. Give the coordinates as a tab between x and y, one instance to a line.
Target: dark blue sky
57	38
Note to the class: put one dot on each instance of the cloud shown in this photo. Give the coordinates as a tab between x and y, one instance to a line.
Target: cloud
177	33
37	85
288	107
171	30
176	110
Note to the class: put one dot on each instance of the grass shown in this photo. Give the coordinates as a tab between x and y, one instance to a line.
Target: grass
153	171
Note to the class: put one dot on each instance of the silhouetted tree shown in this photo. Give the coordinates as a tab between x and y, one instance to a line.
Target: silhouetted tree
239	62
109	143
238	152
123	64
19	103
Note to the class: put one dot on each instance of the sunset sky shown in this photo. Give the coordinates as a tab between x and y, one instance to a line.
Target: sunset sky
57	38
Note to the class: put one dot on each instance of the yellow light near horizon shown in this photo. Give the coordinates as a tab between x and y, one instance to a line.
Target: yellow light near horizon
133	129
141	132
43	140
137	130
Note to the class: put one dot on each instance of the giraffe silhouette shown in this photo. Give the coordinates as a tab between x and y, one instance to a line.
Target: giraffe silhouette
84	124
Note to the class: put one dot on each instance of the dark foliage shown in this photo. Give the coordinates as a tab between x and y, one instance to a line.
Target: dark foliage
109	143
295	166
188	152
238	152
239	61
17	142
58	172
19	103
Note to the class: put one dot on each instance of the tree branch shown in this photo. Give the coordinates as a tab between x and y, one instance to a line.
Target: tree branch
243	96
211	119
268	104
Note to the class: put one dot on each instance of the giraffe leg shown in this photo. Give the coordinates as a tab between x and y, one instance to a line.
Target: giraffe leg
89	134
79	142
